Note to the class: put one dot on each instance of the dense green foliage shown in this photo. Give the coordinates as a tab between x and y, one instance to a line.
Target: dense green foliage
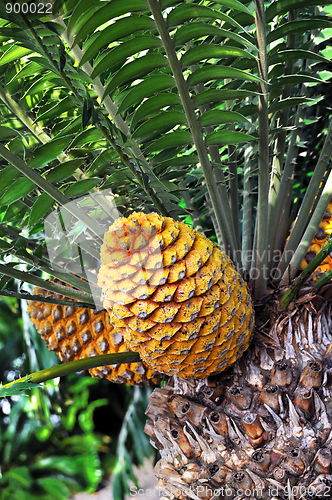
216	112
166	109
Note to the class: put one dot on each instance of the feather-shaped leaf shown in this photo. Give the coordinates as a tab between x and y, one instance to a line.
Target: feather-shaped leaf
20	474
219	96
136	69
109	11
48	152
164	4
13	53
46	82
298	27
87	136
29	69
154	104
170	140
146	88
159	125
7	176
76	20
126	49
19	189
289	55
61	7
57	109
197	30
40	208
289	103
13	210
234	4
120	29
80	188
293	80
180	161
63	171
8	133
12	33
186	12
44	63
227	137
282	6
196	54
217	116
208	73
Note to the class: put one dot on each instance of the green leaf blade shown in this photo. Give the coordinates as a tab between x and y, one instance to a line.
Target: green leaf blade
197	54
153	104
146	88
206	74
219	96
222	137
40	208
106	13
138	68
170	140
197	30
217	116
18	190
80	188
125	50
120	29
159	125
187	12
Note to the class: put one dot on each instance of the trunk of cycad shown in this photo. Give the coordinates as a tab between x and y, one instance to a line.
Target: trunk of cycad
260	430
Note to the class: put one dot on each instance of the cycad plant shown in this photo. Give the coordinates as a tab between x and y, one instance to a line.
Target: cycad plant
201	112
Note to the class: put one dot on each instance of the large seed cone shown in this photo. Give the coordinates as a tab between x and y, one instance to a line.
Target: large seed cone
77	333
174	296
322	235
261	430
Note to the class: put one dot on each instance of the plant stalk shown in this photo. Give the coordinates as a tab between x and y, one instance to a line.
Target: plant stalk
262	222
189	109
126	160
292	246
45	284
234	189
48	300
247	211
56	272
52	191
306	273
310	231
76	366
275	197
44	138
112	110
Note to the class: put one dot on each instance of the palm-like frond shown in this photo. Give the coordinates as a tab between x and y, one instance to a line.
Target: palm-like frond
162	102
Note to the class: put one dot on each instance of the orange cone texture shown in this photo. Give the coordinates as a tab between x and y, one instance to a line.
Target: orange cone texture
77	333
321	237
174	296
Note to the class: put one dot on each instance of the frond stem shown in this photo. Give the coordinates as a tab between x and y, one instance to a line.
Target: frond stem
262	223
189	109
76	366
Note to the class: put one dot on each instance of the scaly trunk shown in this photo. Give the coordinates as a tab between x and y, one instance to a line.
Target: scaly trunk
262	428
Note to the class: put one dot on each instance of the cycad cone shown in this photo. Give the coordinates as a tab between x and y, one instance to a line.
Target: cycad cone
77	333
323	232
174	296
